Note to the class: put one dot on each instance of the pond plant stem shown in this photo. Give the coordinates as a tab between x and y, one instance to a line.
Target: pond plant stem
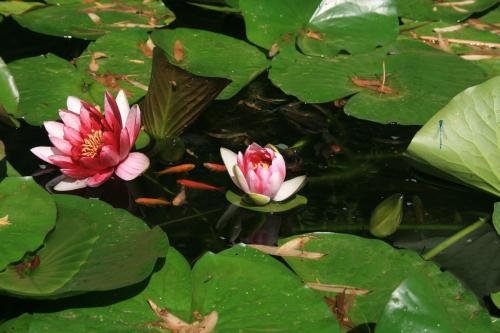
454	238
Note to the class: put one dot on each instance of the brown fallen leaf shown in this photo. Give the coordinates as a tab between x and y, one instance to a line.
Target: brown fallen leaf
178	51
314	35
95	18
93	65
4	221
374	85
340	306
292	248
171	322
147	48
275	48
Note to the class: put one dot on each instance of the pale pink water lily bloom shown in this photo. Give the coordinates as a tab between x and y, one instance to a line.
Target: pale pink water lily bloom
90	147
260	173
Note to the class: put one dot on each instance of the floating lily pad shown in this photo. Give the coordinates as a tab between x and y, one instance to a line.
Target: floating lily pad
414	307
495	297
255	292
27	214
410	93
210	54
461	141
271	207
93	247
90	20
17	7
119	60
169	287
44	84
352	25
451	11
376	266
9	96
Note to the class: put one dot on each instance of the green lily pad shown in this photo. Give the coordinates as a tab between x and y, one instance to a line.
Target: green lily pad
253	292
17	7
9	95
461	141
169	287
90	20
429	10
210	54
376	266
496	217
495	297
27	214
410	95
119	60
93	247
44	83
352	25
272	207
414	307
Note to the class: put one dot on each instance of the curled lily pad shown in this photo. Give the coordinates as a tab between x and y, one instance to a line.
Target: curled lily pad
271	207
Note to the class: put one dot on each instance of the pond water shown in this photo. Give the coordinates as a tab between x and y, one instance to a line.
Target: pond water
352	165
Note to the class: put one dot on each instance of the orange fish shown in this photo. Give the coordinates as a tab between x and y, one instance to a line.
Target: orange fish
180	198
152	202
215	167
199	185
177	169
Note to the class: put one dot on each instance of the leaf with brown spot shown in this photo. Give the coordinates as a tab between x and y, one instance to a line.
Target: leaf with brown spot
147	48
4	221
95	18
178	51
314	35
340	308
374	85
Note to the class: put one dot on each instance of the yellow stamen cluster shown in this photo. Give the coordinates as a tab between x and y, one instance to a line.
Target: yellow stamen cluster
92	143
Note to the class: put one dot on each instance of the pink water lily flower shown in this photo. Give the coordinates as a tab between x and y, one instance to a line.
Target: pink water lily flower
260	173
90	147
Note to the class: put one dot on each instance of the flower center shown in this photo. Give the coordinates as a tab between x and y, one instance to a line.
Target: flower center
92	144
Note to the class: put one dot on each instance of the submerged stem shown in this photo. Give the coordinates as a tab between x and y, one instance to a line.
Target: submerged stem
454	238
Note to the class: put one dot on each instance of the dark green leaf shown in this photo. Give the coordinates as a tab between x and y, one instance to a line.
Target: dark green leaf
210	54
424	10
27	214
9	96
90	20
272	207
462	139
175	97
496	217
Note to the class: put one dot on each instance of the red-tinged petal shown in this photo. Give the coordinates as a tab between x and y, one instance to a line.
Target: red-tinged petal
132	166
264	175
44	152
70	184
78	173
253	182
112	112
99	178
54	128
70	119
85	122
62	161
123	106
74	104
279	165
72	136
133	124
64	146
109	138
109	156
124	144
275	182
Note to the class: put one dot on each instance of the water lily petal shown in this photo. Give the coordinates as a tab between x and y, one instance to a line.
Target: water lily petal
264	174
61	144
44	152
70	184
258	199
112	112
99	178
61	161
109	156
72	136
279	165
54	128
240	180
74	104
78	173
122	102
253	181
275	182
124	143
132	166
229	159
70	119
133	124
289	188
